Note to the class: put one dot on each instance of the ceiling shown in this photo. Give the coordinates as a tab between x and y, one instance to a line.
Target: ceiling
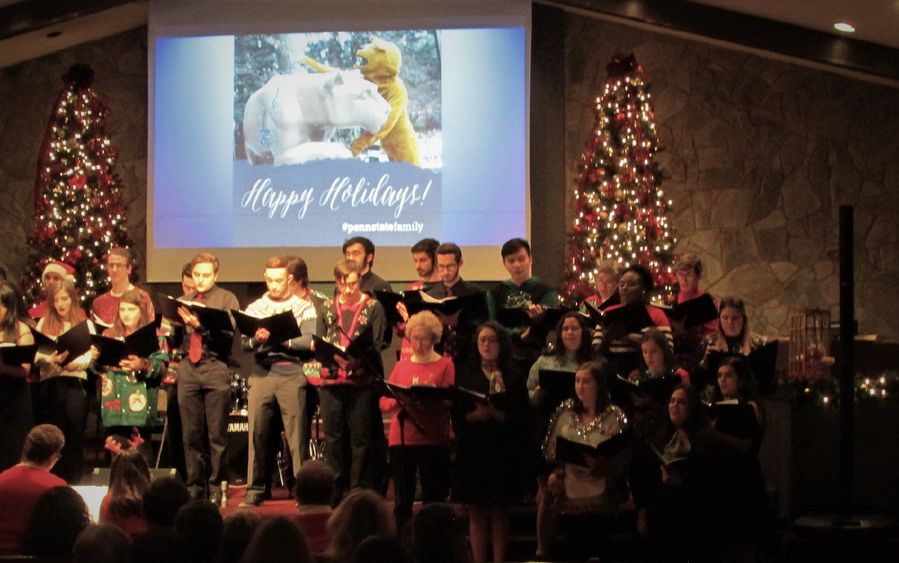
24	26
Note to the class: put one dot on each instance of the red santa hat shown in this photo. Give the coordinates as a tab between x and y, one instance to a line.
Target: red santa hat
60	268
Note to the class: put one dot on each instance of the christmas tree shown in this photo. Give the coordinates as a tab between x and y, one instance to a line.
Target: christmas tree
619	207
78	210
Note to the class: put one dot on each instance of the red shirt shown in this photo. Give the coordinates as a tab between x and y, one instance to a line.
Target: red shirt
314	525
20	488
435	418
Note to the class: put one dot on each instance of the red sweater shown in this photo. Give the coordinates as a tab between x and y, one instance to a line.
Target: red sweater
433	416
20	488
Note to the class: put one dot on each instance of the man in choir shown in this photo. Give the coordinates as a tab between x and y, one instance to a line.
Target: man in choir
174	429
522	291
119	264
204	385
362	251
277	377
54	273
423	256
458	340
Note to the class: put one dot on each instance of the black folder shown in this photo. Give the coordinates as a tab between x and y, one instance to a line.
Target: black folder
472	397
76	341
282	326
762	361
389	301
693	312
680	464
141	343
471	306
428	392
16	355
358	347
577	453
658	388
735	418
629	319
213	320
556	386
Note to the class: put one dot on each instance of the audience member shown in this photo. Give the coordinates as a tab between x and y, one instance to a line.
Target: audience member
361	514
57	519
163	500
314	491
237	531
380	549
21	486
102	543
439	536
200	524
129	480
279	539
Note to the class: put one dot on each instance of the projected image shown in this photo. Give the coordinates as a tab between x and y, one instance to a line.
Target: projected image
303	97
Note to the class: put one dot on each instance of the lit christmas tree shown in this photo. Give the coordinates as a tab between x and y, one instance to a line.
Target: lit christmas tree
78	210
619	207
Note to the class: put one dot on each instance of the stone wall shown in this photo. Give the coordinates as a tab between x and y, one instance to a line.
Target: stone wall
761	154
28	92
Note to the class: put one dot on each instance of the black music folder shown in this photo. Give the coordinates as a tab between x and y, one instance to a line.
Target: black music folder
658	388
694	312
762	362
76	341
578	453
735	418
556	386
358	347
16	355
471	306
629	319
213	320
428	392
141	343
389	300
282	326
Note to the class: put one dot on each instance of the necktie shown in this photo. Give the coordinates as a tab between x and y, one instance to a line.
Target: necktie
195	350
449	291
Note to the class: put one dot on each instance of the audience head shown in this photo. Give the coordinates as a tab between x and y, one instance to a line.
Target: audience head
380	549
163	500
133	313
657	354
606	281
57	519
119	264
449	262
361	251
732	319
572	335
102	543
160	544
591	387
200	523
361	514
424	331
129	480
423	254
298	269
634	284
314	484
688	269
735	379
685	410
204	268
517	259
43	446
439	535
279	539
237	531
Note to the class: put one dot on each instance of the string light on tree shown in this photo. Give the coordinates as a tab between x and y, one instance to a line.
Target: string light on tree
78	208
619	208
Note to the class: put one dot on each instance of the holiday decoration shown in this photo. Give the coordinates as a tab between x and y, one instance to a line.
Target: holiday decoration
618	206
78	210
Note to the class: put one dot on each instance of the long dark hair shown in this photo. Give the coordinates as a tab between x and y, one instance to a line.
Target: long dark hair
9	297
133	297
600	372
506	360
696	417
129	479
746	388
585	350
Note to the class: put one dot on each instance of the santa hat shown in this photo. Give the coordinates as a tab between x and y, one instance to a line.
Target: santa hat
60	268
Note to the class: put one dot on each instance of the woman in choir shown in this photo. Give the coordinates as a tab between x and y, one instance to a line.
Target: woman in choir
688	270
571	349
129	479
606	288
15	397
732	337
412	450
634	286
62	397
587	495
491	457
129	390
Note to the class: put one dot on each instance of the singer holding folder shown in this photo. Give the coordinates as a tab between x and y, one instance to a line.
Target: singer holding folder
420	428
15	398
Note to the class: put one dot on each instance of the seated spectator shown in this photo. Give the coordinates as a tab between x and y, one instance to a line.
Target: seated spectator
237	531
314	491
160	543
22	485
129	479
102	543
200	524
163	500
380	549
58	517
361	514
280	539
439	536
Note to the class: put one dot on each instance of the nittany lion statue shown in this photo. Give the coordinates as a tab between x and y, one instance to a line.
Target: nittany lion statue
293	109
382	66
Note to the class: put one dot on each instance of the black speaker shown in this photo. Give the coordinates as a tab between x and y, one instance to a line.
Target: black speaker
238	448
99	477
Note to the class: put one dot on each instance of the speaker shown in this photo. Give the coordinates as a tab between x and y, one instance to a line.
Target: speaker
99	477
238	448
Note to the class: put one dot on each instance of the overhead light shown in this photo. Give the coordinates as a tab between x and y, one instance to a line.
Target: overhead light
845	27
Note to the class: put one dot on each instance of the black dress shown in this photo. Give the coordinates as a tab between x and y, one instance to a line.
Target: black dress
492	459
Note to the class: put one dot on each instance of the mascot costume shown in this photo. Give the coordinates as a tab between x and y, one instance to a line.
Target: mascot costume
382	66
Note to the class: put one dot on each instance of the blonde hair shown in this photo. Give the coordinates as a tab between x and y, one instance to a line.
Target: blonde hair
427	320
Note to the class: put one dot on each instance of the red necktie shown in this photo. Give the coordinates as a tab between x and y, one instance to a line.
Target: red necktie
195	350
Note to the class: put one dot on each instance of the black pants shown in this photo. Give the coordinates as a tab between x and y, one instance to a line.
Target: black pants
63	403
15	419
347	417
204	399
432	463
174	432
